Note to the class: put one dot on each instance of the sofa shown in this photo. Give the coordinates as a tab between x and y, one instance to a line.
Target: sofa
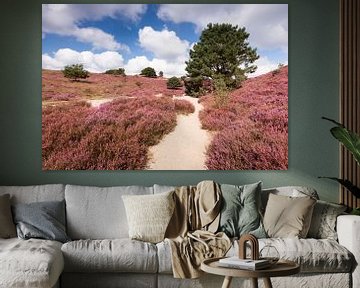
100	253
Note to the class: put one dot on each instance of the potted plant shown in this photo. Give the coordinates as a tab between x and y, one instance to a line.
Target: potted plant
351	141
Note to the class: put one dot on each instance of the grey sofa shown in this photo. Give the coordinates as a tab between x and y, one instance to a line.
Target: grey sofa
101	254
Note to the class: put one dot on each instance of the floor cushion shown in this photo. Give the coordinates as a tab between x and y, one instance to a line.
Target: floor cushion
30	263
115	255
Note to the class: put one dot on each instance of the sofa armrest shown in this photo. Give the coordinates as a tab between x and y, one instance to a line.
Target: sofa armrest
348	230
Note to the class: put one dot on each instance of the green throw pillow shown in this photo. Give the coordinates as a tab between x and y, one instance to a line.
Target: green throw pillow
240	213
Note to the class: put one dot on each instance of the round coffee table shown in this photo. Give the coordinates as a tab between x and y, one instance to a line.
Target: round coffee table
281	268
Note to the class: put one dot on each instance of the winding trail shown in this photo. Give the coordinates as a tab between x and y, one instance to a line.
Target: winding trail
184	148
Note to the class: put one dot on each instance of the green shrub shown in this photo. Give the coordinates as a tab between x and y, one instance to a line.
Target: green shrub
148	72
221	92
120	71
277	70
161	74
75	72
197	86
174	83
193	86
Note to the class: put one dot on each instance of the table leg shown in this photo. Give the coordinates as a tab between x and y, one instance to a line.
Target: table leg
227	282
254	282
267	283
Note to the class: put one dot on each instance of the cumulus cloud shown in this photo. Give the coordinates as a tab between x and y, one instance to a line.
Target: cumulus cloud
136	64
265	65
110	60
266	23
164	44
92	62
66	20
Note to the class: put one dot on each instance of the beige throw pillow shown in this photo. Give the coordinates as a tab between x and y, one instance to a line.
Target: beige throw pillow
7	226
148	215
288	217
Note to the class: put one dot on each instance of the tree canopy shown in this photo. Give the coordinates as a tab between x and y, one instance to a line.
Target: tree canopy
120	71
174	83
148	72
222	51
75	72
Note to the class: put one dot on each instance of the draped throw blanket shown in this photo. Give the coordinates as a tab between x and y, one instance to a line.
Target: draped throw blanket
191	231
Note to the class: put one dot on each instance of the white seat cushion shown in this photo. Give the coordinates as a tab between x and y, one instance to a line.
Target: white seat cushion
117	255
313	255
30	263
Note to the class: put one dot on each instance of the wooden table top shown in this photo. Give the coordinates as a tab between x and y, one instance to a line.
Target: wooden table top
281	268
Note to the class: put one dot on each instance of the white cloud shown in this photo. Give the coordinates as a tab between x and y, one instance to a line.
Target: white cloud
91	61
266	23
65	20
110	60
265	65
98	38
136	64
164	44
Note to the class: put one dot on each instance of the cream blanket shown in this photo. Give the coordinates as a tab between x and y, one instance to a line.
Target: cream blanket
191	231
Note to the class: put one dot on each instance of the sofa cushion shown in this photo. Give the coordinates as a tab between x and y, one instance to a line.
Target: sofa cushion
37	193
240	210
149	215
117	255
98	213
323	222
7	226
30	263
291	191
287	216
313	255
43	220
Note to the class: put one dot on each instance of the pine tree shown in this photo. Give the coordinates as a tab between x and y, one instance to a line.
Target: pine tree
223	50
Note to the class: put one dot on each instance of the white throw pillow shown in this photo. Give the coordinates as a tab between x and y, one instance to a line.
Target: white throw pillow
149	215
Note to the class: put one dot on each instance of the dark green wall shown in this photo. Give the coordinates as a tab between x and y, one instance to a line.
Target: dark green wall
313	92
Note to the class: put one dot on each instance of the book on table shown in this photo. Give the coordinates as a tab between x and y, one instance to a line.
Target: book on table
249	264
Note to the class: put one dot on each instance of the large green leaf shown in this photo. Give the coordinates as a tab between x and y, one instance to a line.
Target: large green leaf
347	184
349	139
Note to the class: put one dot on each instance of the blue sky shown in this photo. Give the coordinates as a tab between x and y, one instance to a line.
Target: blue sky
133	36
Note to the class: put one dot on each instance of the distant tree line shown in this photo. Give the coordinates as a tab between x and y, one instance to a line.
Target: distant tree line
77	71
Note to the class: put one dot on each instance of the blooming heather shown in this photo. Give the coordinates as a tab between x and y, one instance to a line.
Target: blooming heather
116	136
252	129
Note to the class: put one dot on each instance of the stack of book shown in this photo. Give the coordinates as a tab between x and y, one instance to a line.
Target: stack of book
248	264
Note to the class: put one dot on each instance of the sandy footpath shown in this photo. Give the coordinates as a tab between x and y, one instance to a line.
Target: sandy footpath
97	102
184	148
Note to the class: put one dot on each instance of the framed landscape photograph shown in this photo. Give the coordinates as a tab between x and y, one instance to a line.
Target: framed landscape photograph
164	86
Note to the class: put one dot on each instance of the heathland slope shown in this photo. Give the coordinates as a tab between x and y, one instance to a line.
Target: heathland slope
252	127
117	123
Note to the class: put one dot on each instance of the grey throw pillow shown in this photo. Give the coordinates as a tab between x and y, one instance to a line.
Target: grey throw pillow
44	220
7	227
323	222
240	213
